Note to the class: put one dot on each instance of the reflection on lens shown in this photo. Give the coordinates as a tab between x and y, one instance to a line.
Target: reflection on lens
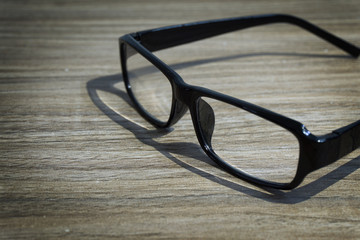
251	144
150	87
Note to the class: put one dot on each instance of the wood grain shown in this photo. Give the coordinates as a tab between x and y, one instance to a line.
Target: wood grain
78	162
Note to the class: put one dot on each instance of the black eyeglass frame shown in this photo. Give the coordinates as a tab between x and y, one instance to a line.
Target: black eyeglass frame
315	151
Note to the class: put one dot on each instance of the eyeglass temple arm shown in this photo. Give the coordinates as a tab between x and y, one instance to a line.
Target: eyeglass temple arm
335	145
165	37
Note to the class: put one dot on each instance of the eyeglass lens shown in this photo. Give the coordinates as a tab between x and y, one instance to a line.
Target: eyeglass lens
249	143
150	87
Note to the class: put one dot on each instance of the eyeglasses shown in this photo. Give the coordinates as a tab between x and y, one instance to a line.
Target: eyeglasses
248	141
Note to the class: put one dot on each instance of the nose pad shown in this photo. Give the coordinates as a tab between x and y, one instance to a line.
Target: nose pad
180	110
207	120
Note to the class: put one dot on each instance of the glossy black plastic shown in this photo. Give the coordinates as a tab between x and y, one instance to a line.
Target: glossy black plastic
315	151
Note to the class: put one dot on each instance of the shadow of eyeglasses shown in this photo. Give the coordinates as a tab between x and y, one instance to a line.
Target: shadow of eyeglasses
194	151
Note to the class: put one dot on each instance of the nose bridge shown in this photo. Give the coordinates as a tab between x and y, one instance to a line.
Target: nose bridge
183	93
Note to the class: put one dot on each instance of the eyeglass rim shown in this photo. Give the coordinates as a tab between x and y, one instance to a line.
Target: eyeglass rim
178	86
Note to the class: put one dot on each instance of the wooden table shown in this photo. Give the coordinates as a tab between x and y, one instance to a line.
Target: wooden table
77	161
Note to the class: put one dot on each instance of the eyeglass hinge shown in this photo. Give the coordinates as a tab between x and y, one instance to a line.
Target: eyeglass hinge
136	36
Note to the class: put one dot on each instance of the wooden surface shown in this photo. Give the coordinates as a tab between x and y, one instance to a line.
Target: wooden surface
76	160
